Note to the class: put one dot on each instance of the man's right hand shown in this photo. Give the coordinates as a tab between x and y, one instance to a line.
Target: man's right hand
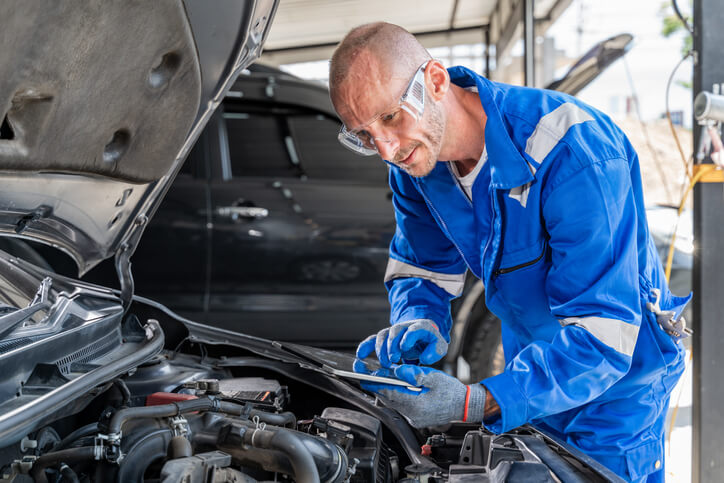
412	341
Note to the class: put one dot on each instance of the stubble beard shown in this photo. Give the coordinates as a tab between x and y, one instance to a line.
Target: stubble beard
435	126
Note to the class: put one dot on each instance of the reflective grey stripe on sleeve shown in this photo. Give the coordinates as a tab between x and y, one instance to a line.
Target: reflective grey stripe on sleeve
552	127
451	283
612	332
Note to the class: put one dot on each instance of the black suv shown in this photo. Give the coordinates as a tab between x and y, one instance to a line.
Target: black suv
272	228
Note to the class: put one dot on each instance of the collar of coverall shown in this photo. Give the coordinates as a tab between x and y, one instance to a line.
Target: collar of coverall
508	168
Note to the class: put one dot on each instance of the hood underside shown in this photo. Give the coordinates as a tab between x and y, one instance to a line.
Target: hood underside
100	102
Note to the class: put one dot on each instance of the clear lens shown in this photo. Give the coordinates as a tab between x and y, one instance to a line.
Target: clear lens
354	143
413	100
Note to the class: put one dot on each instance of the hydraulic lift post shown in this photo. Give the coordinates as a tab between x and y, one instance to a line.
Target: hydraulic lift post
708	276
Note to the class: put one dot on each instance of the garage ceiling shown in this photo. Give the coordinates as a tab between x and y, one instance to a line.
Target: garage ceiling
305	22
305	30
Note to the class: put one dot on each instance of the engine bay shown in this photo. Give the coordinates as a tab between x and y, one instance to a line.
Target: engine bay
203	423
93	392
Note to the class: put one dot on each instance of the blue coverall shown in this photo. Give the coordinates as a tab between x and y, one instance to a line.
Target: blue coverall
557	231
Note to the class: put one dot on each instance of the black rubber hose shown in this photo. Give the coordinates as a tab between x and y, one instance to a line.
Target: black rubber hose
286	418
191	405
173	409
305	470
302	461
72	455
179	447
329	459
123	415
83	431
230	408
125	392
151	448
67	474
250	445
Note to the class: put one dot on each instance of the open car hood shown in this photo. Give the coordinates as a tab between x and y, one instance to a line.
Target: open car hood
99	104
591	64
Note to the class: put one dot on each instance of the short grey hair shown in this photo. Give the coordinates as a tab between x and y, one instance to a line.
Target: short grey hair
396	48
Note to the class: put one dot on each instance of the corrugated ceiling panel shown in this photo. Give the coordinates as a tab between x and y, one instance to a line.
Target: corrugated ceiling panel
309	22
472	13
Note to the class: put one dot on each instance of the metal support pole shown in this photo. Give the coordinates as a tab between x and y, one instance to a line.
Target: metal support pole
529	43
708	324
487	52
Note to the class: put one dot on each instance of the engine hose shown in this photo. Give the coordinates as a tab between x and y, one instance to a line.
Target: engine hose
179	447
287	418
141	450
72	455
303	466
125	392
67	474
248	444
173	409
83	431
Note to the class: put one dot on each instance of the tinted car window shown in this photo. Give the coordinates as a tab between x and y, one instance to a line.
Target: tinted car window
323	157
257	145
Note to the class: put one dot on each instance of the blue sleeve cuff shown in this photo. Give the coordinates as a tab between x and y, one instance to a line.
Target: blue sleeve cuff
512	401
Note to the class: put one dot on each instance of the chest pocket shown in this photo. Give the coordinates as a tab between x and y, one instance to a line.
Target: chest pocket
521	274
519	261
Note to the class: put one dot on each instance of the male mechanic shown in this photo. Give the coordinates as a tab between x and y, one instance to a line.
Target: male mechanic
540	196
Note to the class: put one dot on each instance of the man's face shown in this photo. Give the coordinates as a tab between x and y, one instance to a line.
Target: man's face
413	146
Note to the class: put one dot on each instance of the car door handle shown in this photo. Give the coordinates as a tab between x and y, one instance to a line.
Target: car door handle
248	212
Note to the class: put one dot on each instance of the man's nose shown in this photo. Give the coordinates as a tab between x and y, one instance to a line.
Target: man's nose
388	147
385	140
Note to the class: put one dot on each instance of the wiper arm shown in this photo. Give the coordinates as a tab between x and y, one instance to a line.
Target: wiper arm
9	322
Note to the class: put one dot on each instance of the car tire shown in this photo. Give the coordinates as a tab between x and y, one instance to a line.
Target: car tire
475	350
482	350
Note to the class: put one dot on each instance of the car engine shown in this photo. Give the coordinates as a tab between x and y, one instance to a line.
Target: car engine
220	428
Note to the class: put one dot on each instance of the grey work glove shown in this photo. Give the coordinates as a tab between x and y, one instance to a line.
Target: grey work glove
443	398
411	341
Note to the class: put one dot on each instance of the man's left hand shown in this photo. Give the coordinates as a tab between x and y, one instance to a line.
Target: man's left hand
409	341
443	398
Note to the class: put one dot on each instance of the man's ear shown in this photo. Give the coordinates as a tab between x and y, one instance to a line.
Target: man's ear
437	80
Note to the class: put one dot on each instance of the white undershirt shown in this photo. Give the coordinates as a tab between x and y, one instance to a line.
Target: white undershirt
466	182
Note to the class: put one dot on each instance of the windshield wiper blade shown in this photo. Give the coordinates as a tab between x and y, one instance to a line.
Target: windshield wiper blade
9	322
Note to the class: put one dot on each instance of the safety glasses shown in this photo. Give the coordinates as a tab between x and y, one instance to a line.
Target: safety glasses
412	102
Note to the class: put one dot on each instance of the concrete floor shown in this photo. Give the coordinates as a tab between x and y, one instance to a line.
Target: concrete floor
678	450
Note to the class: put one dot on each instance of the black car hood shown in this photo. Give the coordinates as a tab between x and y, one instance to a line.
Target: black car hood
100	101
